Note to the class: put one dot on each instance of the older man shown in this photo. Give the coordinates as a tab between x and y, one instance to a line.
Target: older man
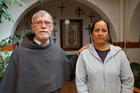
38	66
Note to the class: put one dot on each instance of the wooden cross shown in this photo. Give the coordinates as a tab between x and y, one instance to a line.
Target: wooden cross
91	17
79	11
89	28
90	39
54	34
54	23
139	37
62	8
55	31
54	40
54	17
17	44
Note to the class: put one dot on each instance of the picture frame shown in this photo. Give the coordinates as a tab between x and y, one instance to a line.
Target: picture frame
71	34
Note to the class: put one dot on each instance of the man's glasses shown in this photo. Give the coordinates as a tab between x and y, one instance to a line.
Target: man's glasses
43	22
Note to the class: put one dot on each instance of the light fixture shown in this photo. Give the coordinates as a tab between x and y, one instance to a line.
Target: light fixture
67	22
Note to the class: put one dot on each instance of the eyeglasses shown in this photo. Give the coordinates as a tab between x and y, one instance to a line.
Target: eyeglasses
43	22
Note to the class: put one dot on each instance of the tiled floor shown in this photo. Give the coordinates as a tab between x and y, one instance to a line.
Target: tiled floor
69	87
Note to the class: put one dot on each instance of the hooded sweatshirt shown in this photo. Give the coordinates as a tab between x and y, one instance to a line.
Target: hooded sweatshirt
114	75
36	69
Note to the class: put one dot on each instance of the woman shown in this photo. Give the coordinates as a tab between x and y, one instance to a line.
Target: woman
103	68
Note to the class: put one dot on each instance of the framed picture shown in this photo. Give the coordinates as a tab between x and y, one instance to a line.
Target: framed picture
71	35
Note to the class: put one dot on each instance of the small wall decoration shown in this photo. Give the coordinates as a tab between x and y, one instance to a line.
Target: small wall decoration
79	11
89	29
54	39
139	37
91	16
71	35
90	40
54	35
62	8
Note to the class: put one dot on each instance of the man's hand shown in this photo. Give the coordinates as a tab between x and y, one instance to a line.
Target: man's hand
81	49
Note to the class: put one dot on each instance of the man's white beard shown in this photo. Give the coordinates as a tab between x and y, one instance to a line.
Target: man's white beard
46	35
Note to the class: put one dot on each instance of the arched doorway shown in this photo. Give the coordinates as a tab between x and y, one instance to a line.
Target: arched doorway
74	9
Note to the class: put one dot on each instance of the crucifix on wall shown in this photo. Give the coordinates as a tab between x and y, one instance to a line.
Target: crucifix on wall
79	11
89	28
54	39
54	23
62	8
54	32
91	16
90	40
17	44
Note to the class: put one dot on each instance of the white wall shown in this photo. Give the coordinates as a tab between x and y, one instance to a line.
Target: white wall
133	54
111	10
133	31
106	8
134	27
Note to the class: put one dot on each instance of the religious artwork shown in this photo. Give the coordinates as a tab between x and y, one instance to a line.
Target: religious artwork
71	35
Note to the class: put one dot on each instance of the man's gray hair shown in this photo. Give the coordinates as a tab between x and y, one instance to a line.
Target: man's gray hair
40	12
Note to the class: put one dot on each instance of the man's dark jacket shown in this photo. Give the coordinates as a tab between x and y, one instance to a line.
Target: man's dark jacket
37	69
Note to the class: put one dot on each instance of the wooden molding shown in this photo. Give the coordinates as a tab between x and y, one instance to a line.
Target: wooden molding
121	44
8	47
127	44
137	90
